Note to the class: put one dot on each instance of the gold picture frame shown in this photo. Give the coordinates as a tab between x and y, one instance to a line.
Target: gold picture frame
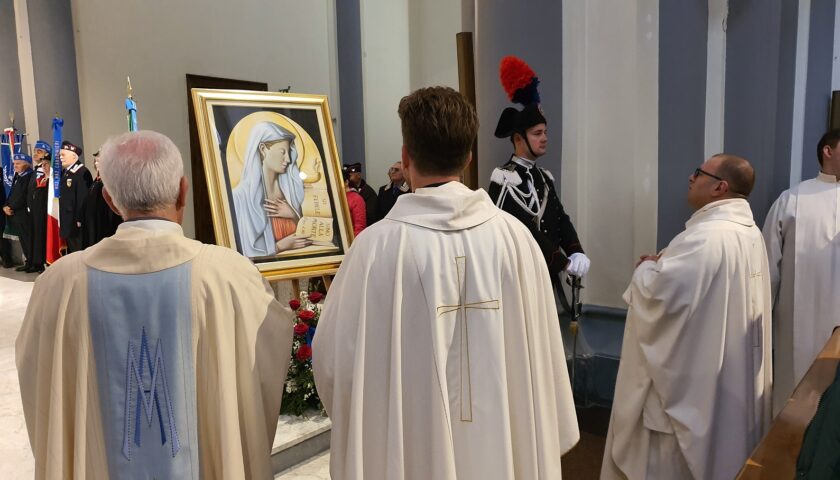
274	180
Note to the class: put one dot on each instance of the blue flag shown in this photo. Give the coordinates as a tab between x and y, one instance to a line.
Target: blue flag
131	113
57	124
10	146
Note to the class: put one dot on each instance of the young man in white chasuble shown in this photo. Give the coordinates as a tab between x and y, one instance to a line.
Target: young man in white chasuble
438	354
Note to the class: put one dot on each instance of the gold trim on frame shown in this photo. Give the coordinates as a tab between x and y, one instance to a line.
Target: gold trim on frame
287	267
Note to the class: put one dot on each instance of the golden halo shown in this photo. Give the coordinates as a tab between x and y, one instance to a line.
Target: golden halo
308	160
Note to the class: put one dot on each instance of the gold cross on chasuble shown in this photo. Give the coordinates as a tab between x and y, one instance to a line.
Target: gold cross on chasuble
463	326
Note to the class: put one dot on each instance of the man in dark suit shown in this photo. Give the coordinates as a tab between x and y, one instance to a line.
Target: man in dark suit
388	194
75	184
15	207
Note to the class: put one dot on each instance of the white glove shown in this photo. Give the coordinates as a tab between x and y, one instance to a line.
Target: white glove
578	265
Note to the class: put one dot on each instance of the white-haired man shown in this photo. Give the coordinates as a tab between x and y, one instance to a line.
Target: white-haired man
156	356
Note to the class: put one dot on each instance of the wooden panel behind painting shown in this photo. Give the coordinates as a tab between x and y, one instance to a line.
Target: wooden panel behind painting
201	198
466	84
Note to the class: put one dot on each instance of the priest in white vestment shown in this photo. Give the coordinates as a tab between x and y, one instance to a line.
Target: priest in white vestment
693	393
150	355
438	353
802	231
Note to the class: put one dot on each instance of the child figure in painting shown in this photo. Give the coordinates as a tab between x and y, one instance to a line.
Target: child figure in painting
267	201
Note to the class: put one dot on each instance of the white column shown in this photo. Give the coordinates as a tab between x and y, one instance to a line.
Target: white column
386	78
27	72
406	45
646	147
433	25
716	77
467	15
610	136
800	82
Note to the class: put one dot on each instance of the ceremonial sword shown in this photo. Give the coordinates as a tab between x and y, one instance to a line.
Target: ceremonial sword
577	305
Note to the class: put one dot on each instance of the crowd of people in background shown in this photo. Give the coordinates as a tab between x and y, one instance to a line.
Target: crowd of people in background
83	216
366	206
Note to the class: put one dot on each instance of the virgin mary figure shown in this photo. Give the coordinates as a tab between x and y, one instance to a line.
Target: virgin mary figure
267	200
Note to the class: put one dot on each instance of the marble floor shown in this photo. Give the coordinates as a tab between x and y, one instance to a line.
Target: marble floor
292	430
316	468
16	460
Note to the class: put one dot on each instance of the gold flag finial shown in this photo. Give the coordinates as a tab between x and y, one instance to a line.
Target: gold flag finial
11	117
128	88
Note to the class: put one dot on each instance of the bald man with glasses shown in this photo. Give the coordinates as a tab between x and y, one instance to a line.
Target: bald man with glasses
695	373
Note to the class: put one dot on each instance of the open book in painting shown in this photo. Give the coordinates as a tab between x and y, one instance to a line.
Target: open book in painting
316	221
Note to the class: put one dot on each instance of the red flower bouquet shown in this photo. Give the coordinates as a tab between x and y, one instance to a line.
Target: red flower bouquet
300	394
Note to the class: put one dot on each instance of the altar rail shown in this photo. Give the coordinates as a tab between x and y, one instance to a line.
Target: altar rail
775	457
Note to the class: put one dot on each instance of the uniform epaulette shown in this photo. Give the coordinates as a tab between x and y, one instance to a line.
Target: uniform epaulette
547	173
502	175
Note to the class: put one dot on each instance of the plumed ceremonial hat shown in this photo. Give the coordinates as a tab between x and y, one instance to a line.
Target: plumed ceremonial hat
43	146
73	148
23	157
352	168
520	83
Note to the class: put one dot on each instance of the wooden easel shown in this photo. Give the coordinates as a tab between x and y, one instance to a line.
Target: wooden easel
296	284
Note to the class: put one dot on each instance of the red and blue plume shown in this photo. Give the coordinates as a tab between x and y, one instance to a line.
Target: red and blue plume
519	81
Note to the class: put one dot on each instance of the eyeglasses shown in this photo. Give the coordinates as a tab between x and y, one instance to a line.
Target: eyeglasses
698	171
393	170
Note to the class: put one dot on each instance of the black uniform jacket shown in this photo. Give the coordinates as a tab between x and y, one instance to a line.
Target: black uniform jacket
39	185
75	183
554	232
386	199
369	195
17	199
99	221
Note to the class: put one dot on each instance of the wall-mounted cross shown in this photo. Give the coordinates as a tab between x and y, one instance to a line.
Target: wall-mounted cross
463	325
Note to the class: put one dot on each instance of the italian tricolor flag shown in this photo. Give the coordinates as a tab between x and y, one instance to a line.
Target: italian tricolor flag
54	242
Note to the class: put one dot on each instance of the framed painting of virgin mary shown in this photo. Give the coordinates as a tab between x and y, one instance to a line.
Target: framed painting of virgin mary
274	180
